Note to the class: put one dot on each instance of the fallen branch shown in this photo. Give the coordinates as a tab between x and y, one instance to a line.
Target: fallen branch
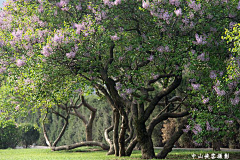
81	144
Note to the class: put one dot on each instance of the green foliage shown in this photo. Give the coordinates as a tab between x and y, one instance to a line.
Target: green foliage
9	134
29	134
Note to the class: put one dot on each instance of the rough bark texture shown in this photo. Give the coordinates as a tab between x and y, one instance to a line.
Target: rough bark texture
145	141
76	145
131	147
123	132
115	132
108	140
170	144
216	145
130	136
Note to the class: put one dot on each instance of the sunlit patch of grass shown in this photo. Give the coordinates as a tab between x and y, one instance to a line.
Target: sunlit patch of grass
92	153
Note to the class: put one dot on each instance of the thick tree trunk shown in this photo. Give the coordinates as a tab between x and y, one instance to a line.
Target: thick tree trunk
145	141
106	132
216	145
76	145
89	133
170	143
122	133
115	132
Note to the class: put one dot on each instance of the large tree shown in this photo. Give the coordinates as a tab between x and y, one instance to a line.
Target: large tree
135	53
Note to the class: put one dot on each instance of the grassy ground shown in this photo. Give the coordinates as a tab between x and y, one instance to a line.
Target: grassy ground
93	154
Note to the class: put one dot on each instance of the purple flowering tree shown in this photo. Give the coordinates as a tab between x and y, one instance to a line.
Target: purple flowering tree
135	53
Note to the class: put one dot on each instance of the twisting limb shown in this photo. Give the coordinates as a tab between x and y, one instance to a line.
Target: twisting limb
106	132
44	131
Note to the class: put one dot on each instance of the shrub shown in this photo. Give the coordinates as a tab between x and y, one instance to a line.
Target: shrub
8	134
29	134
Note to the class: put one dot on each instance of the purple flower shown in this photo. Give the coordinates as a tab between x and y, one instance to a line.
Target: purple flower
71	54
115	37
198	127
40	9
145	5
58	38
196	86
213	75
117	2
218	91
160	49
167	49
174	2
235	101
199	40
195	131
238	7
2	70
17	107
208	126
62	3
205	100
229	121
178	12
118	86
151	58
20	62
79	7
129	90
210	108
47	50
187	129
237	92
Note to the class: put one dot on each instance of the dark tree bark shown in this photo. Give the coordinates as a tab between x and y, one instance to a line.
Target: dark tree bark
216	145
170	143
131	146
124	126
145	141
115	132
130	136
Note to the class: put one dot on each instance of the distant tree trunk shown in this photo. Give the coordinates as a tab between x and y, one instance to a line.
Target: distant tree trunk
88	123
216	145
130	136
115	132
89	133
54	144
106	132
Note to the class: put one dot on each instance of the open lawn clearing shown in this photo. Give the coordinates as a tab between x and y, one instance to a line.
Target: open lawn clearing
94	153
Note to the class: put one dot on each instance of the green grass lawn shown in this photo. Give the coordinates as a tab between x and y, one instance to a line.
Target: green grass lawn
88	154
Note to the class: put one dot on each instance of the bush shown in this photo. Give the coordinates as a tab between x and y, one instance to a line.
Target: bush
9	136
29	134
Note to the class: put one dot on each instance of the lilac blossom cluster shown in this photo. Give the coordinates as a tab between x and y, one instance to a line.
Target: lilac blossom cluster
209	128
111	4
